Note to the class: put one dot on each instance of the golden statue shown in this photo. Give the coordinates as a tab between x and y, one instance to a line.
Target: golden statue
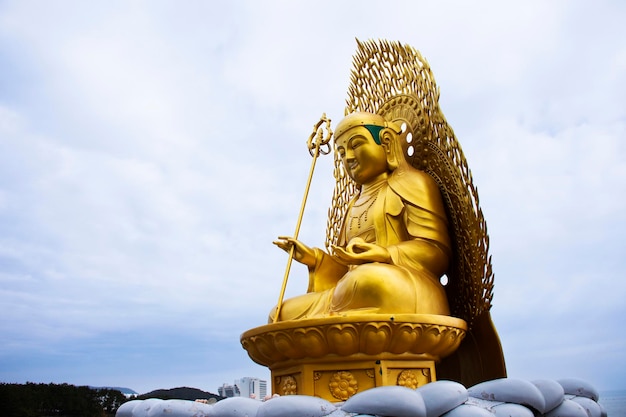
393	244
401	294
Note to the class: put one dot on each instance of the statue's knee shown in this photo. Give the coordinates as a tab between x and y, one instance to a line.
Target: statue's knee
384	278
272	316
372	285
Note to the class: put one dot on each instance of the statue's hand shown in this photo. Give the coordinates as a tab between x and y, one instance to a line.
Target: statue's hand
359	252
302	253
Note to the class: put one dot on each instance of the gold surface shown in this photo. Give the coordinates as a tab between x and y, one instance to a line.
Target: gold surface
420	336
394	80
404	213
394	243
394	83
336	382
336	357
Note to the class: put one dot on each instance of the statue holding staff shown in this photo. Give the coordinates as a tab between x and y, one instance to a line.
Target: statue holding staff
394	244
401	294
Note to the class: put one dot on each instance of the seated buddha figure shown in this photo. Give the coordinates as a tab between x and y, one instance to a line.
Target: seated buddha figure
394	244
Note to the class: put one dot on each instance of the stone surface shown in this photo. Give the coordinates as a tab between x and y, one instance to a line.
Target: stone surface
387	401
568	408
468	410
296	405
506	397
552	392
582	388
510	390
442	396
340	413
592	408
126	409
143	408
180	408
511	410
236	407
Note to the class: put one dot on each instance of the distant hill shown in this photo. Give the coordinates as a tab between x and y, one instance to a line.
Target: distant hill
123	390
182	393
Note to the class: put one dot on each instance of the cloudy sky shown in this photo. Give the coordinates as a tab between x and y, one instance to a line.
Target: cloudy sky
150	151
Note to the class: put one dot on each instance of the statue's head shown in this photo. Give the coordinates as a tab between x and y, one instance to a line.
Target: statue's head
364	143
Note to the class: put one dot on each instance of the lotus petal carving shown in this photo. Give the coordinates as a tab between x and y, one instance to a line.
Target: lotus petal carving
314	339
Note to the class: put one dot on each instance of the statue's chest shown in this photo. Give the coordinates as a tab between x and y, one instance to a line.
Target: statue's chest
360	220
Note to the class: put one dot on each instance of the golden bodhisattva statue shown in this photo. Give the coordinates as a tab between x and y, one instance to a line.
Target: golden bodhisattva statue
402	291
394	244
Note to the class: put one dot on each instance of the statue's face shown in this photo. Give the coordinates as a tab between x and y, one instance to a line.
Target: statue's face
362	157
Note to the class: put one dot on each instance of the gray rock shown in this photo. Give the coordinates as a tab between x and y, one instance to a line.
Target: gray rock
506	397
501	409
236	407
479	402
592	408
512	410
387	401
552	392
510	390
442	396
568	408
579	387
296	406
180	408
143	408
468	410
126	409
340	413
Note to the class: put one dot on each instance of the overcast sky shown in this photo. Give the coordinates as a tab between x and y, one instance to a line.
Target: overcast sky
150	151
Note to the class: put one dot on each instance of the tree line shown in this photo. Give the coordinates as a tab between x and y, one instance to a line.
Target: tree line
58	400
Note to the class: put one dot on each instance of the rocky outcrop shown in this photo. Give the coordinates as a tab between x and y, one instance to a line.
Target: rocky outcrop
500	397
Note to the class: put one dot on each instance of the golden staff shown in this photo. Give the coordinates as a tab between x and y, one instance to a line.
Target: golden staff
318	144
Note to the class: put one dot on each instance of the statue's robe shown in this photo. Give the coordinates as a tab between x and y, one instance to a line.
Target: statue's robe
408	219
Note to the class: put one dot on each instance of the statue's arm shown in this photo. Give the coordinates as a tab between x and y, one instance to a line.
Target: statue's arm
301	252
421	254
325	273
425	244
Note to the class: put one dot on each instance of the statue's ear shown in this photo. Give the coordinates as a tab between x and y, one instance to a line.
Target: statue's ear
390	141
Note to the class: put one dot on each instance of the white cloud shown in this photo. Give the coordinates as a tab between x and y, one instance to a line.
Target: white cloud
149	153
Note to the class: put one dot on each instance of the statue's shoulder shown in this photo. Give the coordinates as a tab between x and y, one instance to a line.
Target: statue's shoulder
416	187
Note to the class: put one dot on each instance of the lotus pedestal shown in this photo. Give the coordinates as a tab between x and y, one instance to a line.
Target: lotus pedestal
335	357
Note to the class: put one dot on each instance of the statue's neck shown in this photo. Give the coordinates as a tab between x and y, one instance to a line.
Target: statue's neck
374	185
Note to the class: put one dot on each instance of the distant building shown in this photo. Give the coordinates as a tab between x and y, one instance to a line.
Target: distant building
245	387
252	387
228	391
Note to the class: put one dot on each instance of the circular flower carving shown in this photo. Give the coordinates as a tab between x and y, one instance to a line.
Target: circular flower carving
407	379
343	385
289	386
